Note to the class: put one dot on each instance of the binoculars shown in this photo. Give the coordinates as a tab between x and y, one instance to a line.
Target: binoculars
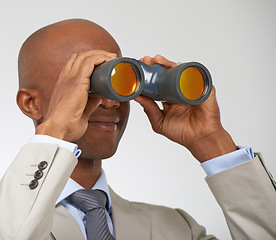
123	79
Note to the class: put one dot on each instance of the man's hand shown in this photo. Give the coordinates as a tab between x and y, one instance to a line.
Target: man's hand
69	107
197	127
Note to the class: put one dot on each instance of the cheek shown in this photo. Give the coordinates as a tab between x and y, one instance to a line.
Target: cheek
125	108
98	144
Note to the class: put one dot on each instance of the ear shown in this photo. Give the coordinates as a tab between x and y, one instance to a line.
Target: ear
29	103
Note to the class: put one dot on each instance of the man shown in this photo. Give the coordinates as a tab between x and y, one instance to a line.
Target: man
55	64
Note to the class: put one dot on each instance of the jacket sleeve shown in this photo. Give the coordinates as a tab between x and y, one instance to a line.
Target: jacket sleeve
30	188
246	193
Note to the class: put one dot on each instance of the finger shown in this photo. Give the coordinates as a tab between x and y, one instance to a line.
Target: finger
88	64
147	60
158	59
211	98
84	54
94	53
74	62
155	115
91	106
68	65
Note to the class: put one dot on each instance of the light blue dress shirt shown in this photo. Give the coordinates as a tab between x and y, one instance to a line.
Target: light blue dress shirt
71	187
229	160
211	167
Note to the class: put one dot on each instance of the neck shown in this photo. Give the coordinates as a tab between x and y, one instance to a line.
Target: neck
87	172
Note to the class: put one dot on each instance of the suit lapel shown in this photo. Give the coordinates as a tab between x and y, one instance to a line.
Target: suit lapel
131	220
65	226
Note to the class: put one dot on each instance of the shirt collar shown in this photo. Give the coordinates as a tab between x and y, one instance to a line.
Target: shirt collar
72	186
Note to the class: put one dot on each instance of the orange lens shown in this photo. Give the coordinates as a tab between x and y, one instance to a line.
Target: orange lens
192	83
124	79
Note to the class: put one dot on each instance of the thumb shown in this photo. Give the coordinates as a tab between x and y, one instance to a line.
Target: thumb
92	104
153	112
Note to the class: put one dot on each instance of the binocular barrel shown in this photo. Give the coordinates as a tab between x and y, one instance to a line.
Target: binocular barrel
123	79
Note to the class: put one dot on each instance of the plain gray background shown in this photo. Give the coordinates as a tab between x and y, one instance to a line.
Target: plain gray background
234	39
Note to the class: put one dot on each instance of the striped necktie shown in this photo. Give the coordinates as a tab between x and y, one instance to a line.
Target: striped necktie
92	203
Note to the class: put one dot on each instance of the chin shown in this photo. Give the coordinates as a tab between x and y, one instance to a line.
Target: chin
97	155
99	150
99	144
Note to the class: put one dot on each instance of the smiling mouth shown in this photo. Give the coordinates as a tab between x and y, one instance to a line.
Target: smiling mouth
104	123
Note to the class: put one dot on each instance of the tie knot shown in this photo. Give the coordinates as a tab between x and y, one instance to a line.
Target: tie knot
88	199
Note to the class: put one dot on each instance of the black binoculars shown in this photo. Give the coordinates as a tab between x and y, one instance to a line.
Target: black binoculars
123	79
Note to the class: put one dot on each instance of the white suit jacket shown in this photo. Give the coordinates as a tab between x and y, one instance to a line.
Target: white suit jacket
246	194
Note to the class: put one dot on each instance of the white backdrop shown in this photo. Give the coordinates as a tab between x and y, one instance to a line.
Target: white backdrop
234	39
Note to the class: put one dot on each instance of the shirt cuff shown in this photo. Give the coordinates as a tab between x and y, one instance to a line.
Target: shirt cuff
64	144
226	161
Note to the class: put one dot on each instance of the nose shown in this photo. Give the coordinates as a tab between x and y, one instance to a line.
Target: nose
107	103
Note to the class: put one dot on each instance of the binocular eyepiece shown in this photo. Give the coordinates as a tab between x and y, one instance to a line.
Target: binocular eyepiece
123	79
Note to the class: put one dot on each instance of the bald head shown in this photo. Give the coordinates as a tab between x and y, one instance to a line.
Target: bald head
45	52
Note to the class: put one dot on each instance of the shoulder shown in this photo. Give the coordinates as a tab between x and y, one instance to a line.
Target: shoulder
163	221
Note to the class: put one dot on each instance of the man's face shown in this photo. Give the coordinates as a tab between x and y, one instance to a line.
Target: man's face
105	126
107	123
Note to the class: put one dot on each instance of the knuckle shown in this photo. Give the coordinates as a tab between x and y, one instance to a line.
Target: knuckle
158	57
87	59
147	58
82	54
